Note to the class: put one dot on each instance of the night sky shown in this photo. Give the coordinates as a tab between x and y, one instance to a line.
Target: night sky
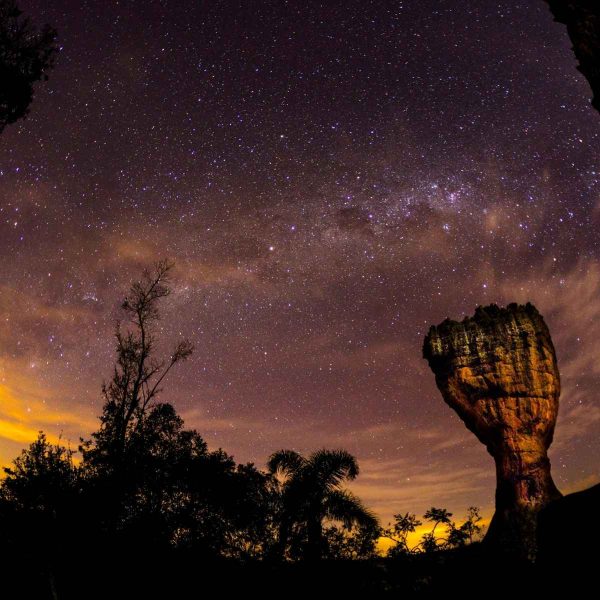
330	179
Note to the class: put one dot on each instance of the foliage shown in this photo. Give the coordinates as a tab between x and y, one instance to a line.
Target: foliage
39	501
354	543
147	488
40	477
455	536
137	376
399	531
310	494
151	481
25	57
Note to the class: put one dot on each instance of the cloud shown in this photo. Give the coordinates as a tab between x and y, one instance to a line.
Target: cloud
569	302
26	408
412	486
30	319
575	422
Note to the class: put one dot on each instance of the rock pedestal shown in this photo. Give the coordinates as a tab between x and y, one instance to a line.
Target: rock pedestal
498	371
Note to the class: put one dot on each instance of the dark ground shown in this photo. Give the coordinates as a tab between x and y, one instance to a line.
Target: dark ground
470	572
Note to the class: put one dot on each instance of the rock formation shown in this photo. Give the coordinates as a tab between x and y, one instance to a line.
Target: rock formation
498	371
582	18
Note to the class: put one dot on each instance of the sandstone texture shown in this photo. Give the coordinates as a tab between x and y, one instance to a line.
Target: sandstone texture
582	18
498	371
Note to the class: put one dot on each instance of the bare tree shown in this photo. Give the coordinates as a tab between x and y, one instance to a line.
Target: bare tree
138	374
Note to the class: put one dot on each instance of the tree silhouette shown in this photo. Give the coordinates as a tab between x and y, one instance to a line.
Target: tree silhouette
25	57
140	441
148	492
310	493
354	543
437	516
151	483
454	535
38	499
399	532
471	527
137	374
40	477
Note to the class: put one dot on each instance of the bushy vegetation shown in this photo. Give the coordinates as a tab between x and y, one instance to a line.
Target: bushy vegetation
449	536
145	487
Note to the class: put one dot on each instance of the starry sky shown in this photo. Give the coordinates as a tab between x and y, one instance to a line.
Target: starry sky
331	178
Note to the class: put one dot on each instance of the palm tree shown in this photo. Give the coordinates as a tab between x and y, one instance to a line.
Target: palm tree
311	492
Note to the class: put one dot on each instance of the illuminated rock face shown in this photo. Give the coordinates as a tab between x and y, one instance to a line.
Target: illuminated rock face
498	371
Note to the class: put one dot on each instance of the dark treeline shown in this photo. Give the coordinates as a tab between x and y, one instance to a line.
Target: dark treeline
144	509
147	496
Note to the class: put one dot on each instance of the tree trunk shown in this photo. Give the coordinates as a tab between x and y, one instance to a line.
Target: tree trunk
314	547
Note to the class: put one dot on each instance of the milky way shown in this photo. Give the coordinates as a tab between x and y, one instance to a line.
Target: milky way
330	179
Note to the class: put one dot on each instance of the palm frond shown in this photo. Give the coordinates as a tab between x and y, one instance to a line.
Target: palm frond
332	467
285	462
344	506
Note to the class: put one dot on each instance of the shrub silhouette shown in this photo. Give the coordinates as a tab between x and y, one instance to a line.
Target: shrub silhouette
454	536
148	494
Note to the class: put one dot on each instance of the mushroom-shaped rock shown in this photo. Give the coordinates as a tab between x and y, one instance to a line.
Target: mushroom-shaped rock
498	371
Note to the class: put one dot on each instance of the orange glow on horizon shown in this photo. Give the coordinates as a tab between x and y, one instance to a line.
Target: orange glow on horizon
25	410
384	544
